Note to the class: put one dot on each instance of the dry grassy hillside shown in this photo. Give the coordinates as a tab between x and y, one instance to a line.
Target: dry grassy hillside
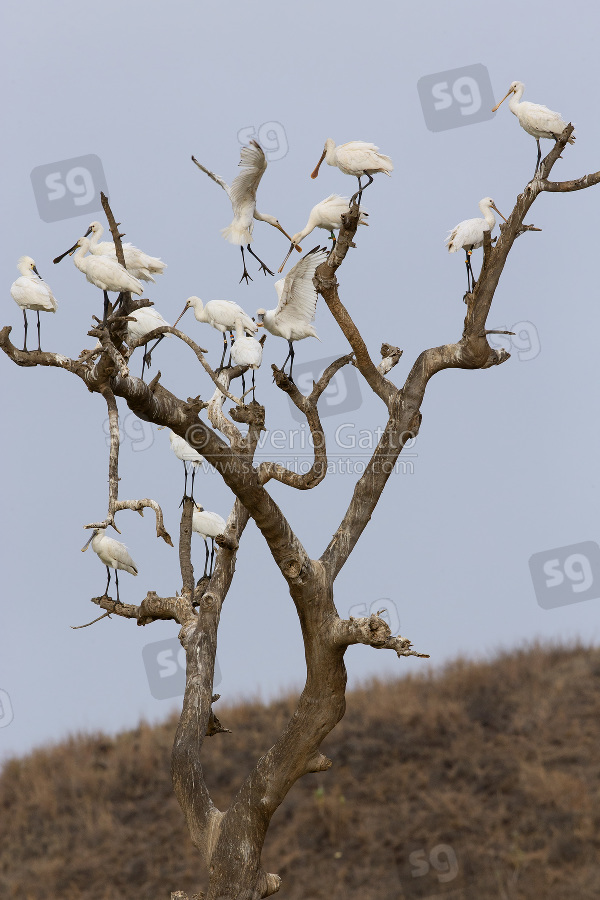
482	782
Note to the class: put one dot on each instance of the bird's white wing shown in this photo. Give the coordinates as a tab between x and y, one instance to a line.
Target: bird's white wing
253	163
297	294
214	177
359	145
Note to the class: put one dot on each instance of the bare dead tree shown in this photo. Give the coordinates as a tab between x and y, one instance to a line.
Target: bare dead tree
230	841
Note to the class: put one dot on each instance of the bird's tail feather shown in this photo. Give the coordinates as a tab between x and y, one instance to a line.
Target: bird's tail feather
237	234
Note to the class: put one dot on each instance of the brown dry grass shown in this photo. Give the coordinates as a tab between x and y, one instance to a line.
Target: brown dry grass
494	764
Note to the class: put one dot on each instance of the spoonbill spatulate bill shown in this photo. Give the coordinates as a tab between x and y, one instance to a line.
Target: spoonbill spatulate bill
207	525
468	235
137	263
221	315
327	215
356	158
242	194
113	554
535	119
102	271
293	315
29	291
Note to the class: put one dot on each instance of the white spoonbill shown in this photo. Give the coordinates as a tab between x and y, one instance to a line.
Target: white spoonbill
29	291
297	303
468	235
222	315
146	320
102	271
137	263
186	453
207	525
246	351
242	194
113	554
355	158
328	215
535	119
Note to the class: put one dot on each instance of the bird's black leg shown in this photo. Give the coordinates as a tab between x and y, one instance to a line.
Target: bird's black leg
105	308
185	482
243	389
39	339
212	555
117	580
230	346
291	359
357	194
25	340
193	476
107	582
224	351
148	353
245	274
206	560
539	157
143	365
253	397
263	268
287	357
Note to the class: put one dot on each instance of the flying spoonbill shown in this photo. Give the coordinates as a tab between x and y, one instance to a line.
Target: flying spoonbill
207	525
113	554
328	215
242	194
31	292
246	351
535	119
222	315
468	235
297	303
137	263
102	271
355	158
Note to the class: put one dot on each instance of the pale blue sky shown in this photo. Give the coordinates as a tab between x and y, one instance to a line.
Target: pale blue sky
505	464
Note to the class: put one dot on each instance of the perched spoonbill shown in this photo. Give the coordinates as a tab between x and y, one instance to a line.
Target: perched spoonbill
186	453
29	291
207	525
137	263
468	235
328	215
222	315
146	320
113	554
106	273
355	158
535	119
297	303
242	194
246	351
